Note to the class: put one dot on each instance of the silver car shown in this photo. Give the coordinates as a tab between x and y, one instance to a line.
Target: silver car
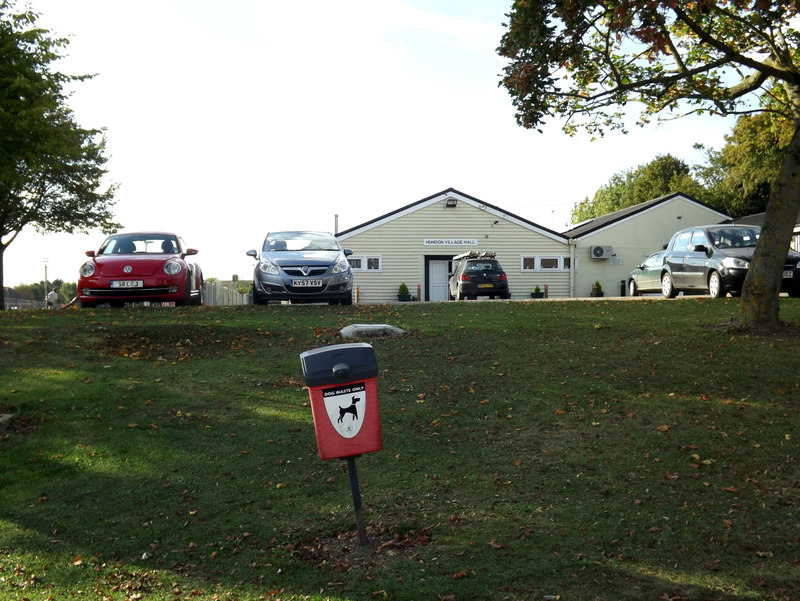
302	267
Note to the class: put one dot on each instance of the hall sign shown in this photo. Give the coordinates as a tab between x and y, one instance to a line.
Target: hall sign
450	242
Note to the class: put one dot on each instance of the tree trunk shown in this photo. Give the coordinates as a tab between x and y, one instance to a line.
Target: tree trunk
758	309
2	286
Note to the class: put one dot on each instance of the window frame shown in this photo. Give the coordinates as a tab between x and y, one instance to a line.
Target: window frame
365	263
562	261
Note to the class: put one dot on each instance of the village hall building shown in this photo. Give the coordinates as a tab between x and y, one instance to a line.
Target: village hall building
415	245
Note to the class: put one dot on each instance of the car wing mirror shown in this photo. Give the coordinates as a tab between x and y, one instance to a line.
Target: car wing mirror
191	251
90	253
252	253
347	252
700	248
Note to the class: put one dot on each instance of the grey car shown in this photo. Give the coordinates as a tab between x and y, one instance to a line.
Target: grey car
715	259
302	267
647	276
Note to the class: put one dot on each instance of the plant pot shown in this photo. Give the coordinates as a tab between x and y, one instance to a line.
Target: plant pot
598	294
404	298
537	294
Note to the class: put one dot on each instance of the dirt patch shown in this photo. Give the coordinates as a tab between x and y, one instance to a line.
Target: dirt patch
343	552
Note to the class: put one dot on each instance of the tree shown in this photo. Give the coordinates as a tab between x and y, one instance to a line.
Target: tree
742	172
663	175
51	169
589	61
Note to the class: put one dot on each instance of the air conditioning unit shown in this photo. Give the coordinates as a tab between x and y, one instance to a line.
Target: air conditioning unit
600	252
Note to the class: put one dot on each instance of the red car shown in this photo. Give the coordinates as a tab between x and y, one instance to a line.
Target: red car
141	267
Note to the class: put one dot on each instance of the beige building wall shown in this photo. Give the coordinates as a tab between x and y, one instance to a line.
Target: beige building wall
632	240
404	244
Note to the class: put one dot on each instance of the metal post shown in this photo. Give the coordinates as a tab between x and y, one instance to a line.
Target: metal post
362	532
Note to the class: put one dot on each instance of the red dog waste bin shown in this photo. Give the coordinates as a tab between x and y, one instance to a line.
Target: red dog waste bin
341	380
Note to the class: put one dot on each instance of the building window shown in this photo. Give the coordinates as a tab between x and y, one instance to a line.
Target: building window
547	263
364	263
550	263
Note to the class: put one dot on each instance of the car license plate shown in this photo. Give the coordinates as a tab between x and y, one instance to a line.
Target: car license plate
485	285
127	283
307	283
787	274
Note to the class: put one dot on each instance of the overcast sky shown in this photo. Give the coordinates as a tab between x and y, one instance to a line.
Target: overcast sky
226	120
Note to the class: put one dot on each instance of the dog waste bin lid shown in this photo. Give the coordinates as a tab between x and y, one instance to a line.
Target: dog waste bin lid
339	363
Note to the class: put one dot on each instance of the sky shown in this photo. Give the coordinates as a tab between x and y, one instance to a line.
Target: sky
226	120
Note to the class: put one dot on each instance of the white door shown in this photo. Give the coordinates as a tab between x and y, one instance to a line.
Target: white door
437	280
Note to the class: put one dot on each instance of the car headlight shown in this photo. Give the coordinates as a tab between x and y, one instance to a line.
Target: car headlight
267	267
735	263
87	269
172	268
341	266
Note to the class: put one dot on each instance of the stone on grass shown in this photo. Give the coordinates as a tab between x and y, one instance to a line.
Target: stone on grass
371	330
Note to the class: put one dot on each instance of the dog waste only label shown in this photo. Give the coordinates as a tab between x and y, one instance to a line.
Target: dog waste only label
346	406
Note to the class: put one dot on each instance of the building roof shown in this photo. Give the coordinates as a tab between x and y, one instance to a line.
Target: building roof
450	193
592	225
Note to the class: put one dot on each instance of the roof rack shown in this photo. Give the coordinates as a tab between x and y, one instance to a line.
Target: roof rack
476	254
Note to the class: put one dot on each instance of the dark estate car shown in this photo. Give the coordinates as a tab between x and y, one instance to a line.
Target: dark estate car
478	273
715	258
302	267
647	276
141	267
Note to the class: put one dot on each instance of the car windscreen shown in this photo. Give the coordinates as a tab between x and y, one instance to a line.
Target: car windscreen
295	241
149	244
734	237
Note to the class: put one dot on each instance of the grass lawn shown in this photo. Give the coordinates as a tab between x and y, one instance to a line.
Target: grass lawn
572	450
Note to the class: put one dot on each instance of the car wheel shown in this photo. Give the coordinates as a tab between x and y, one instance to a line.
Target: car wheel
667	287
459	296
187	293
715	285
258	300
632	289
200	298
348	300
86	304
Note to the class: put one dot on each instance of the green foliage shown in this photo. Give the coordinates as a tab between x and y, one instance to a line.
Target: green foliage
243	286
171	455
672	58
743	171
50	167
663	175
69	290
402	289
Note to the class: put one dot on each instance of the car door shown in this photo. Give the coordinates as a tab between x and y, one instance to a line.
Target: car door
650	278
695	261
676	256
